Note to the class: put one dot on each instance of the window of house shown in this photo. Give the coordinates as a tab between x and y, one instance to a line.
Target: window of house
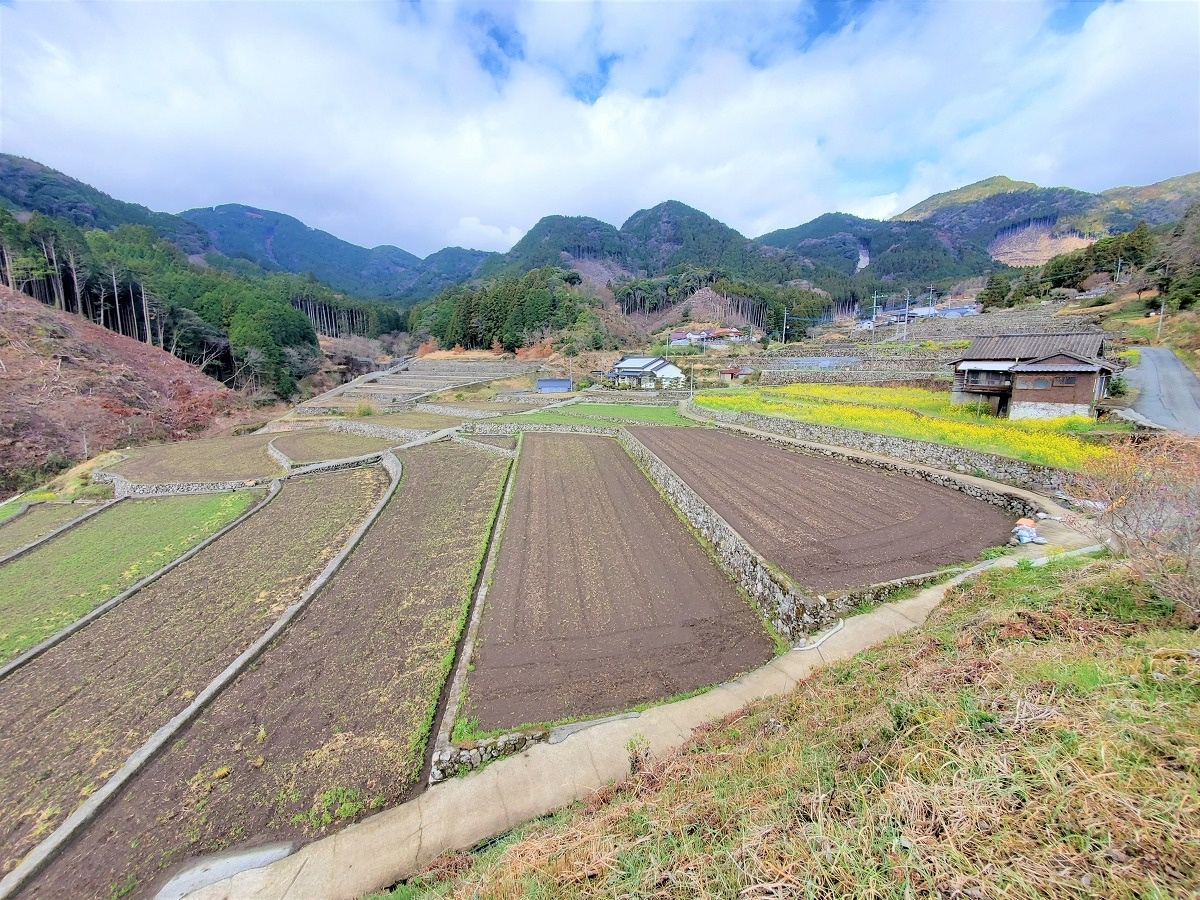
1064	379
1028	383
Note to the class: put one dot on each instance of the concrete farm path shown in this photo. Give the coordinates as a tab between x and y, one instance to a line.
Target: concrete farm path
1169	392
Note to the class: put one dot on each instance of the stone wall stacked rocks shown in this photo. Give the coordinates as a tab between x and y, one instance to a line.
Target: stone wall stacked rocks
459	412
387	432
938	456
792	611
517	427
123	487
450	761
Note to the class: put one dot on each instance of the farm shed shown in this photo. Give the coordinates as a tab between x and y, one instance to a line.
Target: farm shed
1035	376
645	372
554	385
735	373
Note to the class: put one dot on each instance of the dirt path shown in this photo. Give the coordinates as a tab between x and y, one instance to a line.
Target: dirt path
601	599
829	525
72	716
328	724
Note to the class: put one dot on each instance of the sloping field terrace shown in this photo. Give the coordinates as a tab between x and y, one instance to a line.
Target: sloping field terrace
829	525
331	722
53	585
601	598
37	522
210	459
72	716
317	444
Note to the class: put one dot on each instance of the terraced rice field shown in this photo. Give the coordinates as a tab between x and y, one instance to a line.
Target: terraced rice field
52	586
331	723
505	442
212	459
601	597
37	522
829	525
71	717
317	444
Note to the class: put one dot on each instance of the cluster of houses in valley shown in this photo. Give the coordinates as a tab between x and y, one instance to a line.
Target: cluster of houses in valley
1021	376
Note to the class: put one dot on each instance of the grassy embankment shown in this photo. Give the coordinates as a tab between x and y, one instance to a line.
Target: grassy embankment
1137	320
602	414
54	585
920	415
1037	738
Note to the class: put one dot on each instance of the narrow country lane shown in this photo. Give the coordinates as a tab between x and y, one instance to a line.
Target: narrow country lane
1169	394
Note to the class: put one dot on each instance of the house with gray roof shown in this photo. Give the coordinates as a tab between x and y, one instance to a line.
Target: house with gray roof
645	372
1035	376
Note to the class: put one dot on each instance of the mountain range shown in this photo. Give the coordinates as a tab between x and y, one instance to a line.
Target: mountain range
961	233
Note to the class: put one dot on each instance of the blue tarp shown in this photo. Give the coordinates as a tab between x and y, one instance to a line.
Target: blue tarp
554	385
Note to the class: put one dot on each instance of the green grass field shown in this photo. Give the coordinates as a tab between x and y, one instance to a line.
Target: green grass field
37	522
54	585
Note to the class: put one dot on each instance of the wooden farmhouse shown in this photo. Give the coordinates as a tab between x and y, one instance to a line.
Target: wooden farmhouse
645	372
1035	376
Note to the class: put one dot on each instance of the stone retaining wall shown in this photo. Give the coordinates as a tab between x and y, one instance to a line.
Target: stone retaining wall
282	426
453	760
123	487
458	412
387	432
937	456
777	377
498	428
279	456
334	465
792	611
490	448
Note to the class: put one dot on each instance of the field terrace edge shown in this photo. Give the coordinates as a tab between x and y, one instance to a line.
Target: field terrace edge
49	848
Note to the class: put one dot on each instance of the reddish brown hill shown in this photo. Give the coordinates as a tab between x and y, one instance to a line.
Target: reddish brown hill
67	385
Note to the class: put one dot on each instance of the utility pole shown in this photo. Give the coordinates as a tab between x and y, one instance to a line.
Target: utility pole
1162	309
907	299
1118	278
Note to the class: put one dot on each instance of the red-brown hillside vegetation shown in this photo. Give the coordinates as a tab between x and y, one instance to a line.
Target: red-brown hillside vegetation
67	384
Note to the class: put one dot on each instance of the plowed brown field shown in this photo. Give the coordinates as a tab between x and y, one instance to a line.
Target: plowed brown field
71	717
829	525
601	598
329	724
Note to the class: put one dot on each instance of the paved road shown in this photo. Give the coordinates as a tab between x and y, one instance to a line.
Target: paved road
1169	392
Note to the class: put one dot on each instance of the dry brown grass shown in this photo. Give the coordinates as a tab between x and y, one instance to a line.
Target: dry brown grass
1039	738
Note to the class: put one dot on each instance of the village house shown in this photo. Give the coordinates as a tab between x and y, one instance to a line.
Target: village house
645	372
1035	376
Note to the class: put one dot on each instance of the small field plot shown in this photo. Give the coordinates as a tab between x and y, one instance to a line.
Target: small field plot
71	717
212	459
602	414
37	522
52	586
316	444
601	598
829	525
331	723
422	421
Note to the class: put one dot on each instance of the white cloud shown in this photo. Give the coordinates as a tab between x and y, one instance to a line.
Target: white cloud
380	123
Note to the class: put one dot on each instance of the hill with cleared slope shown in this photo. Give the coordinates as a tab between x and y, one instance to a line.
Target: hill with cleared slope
72	389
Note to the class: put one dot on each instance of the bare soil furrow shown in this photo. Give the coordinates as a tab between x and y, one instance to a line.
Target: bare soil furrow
72	716
830	525
601	599
329	724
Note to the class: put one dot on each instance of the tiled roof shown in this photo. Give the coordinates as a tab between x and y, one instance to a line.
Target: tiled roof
1035	346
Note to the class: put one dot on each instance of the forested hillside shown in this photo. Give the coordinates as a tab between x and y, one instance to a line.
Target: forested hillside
277	242
244	330
30	186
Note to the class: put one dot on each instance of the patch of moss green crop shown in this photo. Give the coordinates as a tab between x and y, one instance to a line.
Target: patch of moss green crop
49	588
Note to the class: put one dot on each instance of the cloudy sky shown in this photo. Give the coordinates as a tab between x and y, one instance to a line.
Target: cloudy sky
430	124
